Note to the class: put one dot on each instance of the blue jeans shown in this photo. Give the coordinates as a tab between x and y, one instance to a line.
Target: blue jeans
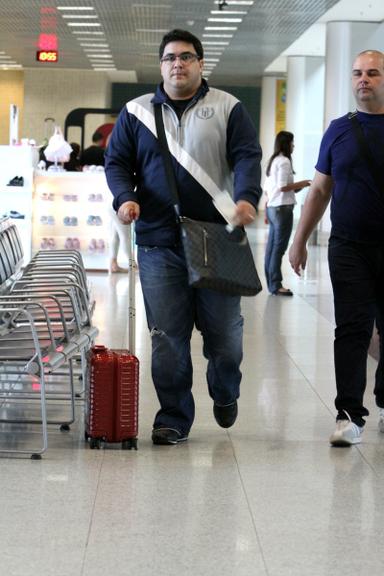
173	308
280	220
357	276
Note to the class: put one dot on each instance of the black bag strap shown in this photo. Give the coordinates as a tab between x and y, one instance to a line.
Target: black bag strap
166	157
366	151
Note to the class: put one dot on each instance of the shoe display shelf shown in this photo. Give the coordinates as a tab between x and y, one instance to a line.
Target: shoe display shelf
71	211
16	190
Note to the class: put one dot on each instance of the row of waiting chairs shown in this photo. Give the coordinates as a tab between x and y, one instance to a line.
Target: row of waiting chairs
46	331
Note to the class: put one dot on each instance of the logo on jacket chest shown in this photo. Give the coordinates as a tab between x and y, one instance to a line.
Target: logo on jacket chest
205	112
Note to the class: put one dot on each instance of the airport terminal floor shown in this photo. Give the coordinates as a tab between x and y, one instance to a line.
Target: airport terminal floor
268	497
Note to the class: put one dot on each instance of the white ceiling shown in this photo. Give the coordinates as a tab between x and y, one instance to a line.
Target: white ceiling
312	42
127	33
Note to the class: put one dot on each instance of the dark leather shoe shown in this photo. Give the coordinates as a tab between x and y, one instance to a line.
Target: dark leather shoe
164	436
225	416
283	292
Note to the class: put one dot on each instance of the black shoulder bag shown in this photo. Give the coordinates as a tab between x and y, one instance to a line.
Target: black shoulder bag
216	258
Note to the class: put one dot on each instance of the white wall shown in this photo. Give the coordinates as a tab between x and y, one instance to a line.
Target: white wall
305	105
54	93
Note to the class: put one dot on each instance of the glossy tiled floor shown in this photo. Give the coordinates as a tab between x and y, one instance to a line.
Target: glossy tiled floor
268	497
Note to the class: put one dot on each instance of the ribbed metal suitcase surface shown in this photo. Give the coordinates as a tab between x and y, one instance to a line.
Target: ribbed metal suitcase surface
112	387
112	397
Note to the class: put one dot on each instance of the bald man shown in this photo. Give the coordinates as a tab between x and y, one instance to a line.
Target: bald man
350	174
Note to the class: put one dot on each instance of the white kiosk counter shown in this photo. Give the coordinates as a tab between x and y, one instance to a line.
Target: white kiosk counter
57	210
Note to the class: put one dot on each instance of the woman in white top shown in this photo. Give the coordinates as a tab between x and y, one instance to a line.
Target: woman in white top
280	192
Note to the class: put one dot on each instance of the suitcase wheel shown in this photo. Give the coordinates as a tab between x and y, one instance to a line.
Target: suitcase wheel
95	443
129	444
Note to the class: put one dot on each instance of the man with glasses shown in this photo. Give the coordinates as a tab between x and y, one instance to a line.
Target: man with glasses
213	143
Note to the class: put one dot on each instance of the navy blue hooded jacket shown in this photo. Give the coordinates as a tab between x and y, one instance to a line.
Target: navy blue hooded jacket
213	146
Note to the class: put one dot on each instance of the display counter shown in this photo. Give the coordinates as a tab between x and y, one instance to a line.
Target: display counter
71	210
57	210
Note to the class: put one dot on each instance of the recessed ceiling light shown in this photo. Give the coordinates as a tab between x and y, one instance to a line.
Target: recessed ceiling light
213	28
216	43
84	16
217	35
74	8
83	24
236	2
86	33
153	30
234	20
157	7
106	56
93	44
232	12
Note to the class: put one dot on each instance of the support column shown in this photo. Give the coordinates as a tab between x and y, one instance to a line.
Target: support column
305	104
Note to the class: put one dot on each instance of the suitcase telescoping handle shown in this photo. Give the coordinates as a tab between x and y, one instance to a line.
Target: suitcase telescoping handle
132	290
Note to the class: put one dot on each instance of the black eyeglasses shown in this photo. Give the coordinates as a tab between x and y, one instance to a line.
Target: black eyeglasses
185	57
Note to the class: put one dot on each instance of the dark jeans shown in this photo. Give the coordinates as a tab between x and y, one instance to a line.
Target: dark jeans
173	308
280	220
357	275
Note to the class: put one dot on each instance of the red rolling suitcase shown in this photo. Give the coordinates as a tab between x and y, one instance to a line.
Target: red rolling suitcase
112	388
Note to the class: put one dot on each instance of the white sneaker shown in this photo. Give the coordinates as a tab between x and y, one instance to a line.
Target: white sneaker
381	419
346	433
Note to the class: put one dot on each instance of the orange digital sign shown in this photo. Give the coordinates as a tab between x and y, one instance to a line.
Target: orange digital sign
47	55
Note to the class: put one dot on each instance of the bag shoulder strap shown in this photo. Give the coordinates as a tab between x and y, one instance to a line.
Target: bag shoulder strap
166	156
220	200
366	151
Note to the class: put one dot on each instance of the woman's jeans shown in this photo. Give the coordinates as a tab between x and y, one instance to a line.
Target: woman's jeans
357	275
280	220
173	308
